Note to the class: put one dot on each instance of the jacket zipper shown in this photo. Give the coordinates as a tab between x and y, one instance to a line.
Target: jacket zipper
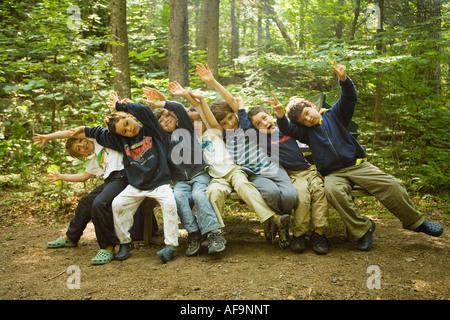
337	156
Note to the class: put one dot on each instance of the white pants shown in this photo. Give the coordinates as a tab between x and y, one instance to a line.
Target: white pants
125	204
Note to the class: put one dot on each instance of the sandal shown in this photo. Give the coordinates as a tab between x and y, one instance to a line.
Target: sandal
102	257
61	242
431	228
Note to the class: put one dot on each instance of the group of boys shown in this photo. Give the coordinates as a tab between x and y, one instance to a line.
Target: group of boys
195	159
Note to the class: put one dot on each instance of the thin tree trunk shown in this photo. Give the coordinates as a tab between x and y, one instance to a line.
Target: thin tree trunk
213	36
355	19
121	62
178	54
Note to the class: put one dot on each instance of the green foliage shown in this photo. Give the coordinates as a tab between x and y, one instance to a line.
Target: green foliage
54	77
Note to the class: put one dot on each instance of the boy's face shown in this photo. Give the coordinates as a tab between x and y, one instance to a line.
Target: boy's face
83	147
310	117
168	123
264	122
230	122
127	127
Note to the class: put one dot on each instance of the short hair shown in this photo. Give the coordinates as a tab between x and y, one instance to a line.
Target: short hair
220	109
255	110
296	107
73	153
165	112
112	119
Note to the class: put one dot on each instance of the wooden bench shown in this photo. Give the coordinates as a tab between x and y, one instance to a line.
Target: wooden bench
320	101
149	206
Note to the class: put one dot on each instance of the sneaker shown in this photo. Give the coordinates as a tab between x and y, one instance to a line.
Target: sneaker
165	254
194	240
365	242
217	241
298	243
124	251
319	243
430	228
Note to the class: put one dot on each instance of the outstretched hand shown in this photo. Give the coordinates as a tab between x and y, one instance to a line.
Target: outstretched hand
276	106
176	89
340	71
205	73
154	98
112	103
40	139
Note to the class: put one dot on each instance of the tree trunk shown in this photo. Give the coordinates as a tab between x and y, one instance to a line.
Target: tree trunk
339	25
379	76
213	37
178	54
121	62
355	19
202	35
280	25
428	13
234	51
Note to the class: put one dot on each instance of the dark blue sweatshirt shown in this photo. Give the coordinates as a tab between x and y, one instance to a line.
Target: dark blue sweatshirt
145	155
185	152
331	144
280	147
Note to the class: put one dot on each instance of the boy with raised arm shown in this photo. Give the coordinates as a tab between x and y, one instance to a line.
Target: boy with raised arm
189	175
95	206
270	179
313	204
342	161
225	173
145	151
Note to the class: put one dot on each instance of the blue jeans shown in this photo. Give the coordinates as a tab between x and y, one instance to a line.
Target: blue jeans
193	193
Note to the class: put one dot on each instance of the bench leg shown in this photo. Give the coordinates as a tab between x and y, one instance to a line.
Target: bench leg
148	206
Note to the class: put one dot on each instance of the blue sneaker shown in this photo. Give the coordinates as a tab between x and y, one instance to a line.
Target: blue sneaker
165	254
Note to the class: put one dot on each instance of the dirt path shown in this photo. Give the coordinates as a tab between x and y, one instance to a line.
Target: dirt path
411	265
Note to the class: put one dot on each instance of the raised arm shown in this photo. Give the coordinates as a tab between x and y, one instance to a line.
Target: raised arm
178	91
205	112
43	139
206	76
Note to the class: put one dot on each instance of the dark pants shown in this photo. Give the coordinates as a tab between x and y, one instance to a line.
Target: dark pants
96	206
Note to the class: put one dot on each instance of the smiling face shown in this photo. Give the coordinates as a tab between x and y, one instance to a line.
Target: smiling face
229	122
264	122
82	147
167	122
127	127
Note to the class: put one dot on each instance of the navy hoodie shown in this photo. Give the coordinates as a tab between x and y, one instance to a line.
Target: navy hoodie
145	155
186	154
280	147
331	144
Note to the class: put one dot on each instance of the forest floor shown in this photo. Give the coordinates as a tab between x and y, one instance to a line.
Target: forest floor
412	265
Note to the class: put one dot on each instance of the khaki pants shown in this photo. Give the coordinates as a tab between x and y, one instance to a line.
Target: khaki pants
313	205
387	189
219	189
